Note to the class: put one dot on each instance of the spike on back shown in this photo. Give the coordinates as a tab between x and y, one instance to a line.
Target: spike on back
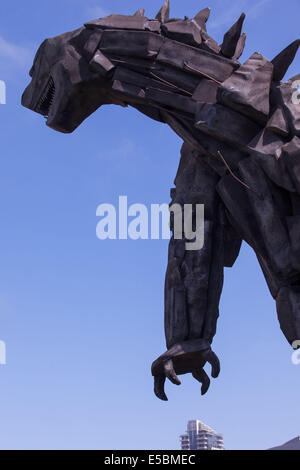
232	37
240	46
164	13
140	12
202	17
284	59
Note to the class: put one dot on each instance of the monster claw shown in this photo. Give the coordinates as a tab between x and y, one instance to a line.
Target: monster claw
159	387
203	378
213	360
170	372
182	358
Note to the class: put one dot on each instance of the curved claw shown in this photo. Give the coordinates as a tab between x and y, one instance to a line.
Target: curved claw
213	360
159	380
203	378
170	372
159	387
188	356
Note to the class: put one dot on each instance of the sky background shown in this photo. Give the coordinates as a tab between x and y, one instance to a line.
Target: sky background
83	318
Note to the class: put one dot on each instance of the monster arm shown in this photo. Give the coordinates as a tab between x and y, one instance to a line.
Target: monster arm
192	291
194	280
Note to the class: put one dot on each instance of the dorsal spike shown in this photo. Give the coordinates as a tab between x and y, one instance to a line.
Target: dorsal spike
202	16
164	13
240	46
284	59
232	37
140	12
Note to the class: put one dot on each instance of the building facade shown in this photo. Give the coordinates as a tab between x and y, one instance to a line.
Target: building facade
199	436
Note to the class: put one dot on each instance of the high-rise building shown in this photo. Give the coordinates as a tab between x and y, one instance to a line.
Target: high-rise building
199	436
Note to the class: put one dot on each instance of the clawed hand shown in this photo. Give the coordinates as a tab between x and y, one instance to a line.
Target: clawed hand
182	358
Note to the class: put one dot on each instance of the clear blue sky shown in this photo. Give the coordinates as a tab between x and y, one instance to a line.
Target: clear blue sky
83	318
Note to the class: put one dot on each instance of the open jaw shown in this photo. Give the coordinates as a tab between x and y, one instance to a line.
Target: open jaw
46	99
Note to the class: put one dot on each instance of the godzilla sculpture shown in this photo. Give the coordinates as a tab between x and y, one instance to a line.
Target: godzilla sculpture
240	158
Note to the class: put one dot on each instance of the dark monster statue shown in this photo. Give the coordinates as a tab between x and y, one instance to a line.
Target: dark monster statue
240	158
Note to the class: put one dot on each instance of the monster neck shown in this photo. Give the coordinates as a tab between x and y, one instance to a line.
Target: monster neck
190	89
146	73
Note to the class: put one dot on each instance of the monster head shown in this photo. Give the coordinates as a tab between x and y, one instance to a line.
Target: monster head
63	88
74	74
169	69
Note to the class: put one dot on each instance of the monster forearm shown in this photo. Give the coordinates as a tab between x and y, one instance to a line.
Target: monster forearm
194	279
193	288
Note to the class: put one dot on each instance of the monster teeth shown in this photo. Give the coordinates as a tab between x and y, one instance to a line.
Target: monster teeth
47	98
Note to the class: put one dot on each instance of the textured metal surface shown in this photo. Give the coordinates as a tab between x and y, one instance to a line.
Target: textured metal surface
240	158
